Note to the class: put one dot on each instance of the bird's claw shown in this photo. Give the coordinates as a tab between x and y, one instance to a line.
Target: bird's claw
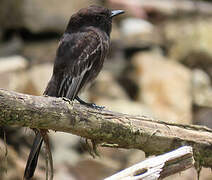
92	105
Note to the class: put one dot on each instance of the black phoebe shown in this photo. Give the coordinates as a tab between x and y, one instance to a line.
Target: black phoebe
79	59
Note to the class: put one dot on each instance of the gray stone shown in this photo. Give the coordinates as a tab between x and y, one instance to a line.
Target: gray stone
201	88
38	15
105	86
164	87
202	116
138	33
63	151
188	38
125	106
39	77
40	51
12	64
12	73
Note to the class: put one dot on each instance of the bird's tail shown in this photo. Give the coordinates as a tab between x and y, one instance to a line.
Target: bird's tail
33	157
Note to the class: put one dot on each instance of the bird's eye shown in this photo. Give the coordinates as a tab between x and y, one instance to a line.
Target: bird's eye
98	18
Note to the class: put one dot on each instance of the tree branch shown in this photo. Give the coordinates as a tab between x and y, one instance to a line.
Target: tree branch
158	167
120	130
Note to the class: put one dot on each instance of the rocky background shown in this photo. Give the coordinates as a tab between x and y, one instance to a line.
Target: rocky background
159	65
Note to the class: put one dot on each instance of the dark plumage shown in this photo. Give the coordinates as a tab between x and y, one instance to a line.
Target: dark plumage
79	59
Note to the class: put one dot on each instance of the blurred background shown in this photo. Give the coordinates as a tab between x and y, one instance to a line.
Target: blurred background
159	65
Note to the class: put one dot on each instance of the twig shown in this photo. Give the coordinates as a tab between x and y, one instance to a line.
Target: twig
158	167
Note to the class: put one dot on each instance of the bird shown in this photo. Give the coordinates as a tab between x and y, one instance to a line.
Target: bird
79	59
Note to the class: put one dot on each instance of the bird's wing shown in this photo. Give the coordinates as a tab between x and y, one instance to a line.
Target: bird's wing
79	53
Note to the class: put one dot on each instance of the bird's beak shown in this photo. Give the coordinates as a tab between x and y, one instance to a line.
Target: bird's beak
116	12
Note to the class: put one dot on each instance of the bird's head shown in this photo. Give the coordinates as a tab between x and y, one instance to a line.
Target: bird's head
96	16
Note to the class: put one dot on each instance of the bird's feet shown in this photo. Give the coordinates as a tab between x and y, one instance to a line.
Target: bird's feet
66	99
92	105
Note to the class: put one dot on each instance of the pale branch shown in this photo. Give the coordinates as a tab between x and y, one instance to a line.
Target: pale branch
158	167
114	129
